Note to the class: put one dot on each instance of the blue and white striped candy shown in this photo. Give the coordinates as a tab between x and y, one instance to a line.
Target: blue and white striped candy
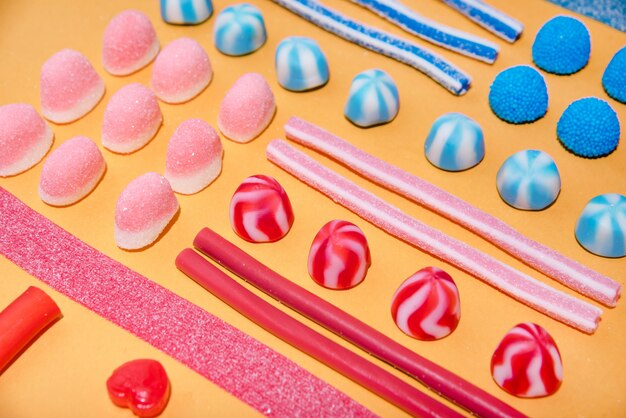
489	18
373	99
455	143
601	227
529	180
300	64
239	30
186	12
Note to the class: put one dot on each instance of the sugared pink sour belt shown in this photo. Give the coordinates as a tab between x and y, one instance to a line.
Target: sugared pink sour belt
339	256
71	172
260	210
129	43
558	305
427	305
527	362
549	262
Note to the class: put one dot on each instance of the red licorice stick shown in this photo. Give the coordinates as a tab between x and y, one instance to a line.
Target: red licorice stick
440	380
344	361
23	320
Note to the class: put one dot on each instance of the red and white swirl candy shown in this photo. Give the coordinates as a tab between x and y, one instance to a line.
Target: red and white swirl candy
339	255
260	210
427	305
527	362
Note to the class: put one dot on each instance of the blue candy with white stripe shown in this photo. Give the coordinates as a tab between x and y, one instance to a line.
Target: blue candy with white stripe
529	180
455	143
300	64
239	30
489	18
186	12
373	99
601	227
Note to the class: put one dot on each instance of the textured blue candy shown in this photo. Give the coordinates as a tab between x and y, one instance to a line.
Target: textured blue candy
455	142
589	127
562	46
519	95
498	26
601	227
373	99
186	12
239	30
529	180
614	78
300	64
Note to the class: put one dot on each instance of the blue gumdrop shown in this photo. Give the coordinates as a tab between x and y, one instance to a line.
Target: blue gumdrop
562	46
239	30
519	95
300	64
614	77
373	99
186	12
601	227
455	143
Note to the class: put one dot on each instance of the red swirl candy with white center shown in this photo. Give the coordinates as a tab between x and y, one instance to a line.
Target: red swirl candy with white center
260	210
339	255
427	305
527	362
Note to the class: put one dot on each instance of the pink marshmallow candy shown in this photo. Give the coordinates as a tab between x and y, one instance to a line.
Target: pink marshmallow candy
194	157
247	108
132	117
71	172
181	71
24	138
129	43
70	87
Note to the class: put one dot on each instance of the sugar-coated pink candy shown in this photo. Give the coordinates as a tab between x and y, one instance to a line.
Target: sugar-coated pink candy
427	305
145	207
71	172
129	43
247	109
339	256
527	362
194	156
132	117
260	210
181	71
24	138
70	87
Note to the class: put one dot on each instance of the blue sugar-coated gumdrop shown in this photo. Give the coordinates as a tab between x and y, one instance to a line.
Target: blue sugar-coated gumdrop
373	99
562	46
529	180
186	12
589	127
601	227
455	142
614	78
300	64
519	95
239	30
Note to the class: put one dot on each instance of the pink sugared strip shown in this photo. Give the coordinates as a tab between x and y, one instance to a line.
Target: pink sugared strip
560	306
243	366
545	260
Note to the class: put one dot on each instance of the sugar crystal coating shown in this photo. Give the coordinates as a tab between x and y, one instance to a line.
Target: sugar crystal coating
601	227
614	77
455	142
373	99
562	46
239	30
300	64
186	12
519	95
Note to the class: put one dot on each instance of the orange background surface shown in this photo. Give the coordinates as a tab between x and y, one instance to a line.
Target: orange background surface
64	372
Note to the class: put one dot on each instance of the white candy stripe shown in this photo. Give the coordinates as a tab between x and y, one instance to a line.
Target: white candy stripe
429	323
409	306
467	6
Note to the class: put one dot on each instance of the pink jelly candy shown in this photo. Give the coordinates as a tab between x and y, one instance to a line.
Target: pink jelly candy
143	210
129	43
24	138
527	362
260	210
71	172
427	305
194	156
247	109
70	87
181	71
339	256
132	117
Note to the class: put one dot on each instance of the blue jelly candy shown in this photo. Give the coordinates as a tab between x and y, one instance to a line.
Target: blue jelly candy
455	142
614	78
239	30
562	46
373	99
186	12
519	95
300	64
601	227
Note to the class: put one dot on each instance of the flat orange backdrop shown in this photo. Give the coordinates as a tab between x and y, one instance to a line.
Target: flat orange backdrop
64	372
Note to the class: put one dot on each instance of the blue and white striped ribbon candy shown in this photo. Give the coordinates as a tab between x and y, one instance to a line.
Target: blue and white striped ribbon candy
300	64
489	18
373	99
455	142
239	30
601	227
186	12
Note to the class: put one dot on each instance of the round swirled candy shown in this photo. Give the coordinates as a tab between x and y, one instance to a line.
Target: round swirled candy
186	12
239	30
455	142
519	95
529	180
601	227
527	362
373	99
260	210
300	64
427	305
614	77
562	46
339	255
